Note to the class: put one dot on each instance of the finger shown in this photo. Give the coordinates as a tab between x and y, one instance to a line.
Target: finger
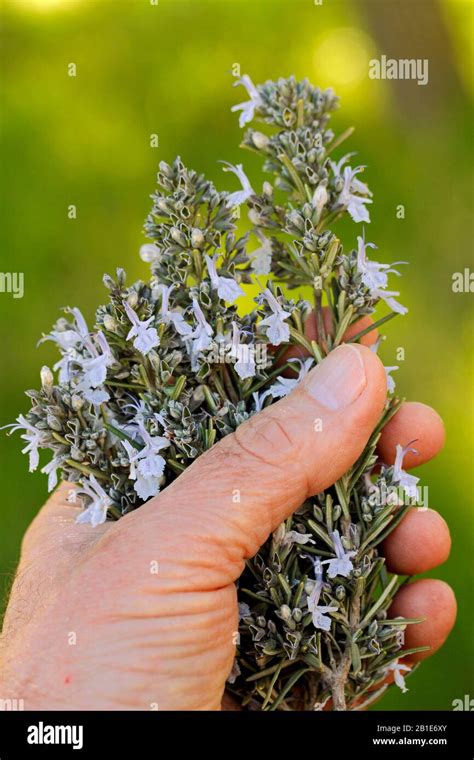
432	600
311	333
419	543
236	494
429	599
413	422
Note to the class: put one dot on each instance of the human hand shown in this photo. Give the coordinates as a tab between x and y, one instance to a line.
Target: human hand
91	626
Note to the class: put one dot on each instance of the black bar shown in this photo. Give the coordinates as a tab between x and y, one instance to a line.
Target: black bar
308	735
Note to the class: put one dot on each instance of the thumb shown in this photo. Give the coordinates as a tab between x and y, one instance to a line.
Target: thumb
226	504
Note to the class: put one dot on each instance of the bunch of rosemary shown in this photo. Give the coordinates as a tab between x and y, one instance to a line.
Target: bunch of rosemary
172	365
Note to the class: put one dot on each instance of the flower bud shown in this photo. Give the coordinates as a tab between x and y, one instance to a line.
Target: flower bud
166	168
340	593
47	378
110	323
268	189
178	237
336	512
77	402
279	533
260	140
373	628
149	252
54	423
162	205
197	238
132	299
254	216
318	513
285	612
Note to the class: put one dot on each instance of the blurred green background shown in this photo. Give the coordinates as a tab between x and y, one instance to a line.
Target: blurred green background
163	68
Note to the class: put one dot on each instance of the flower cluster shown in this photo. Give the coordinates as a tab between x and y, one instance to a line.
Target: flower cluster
169	367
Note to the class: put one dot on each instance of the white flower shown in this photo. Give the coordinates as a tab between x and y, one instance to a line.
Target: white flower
283	537
276	330
240	196
94	370
295	537
68	342
174	317
249	106
402	478
319	706
244	610
81	327
227	288
95	396
50	470
347	197
146	337
96	512
146	464
342	564
200	338
235	672
397	668
245	364
262	257
375	276
34	438
284	385
259	399
319	612
95	367
390	380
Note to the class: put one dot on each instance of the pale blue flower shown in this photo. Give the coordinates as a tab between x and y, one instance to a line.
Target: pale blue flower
284	385
94	370
244	610
202	333
248	107
341	564
50	470
244	355
96	512
355	204
146	337
295	537
262	256
227	288
402	478
319	612
390	380
375	276
397	668
277	330
69	341
174	317
146	464
35	440
240	196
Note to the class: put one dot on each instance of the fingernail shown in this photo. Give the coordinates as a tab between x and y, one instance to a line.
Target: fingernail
339	379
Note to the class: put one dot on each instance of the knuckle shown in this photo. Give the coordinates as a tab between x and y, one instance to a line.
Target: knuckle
264	440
